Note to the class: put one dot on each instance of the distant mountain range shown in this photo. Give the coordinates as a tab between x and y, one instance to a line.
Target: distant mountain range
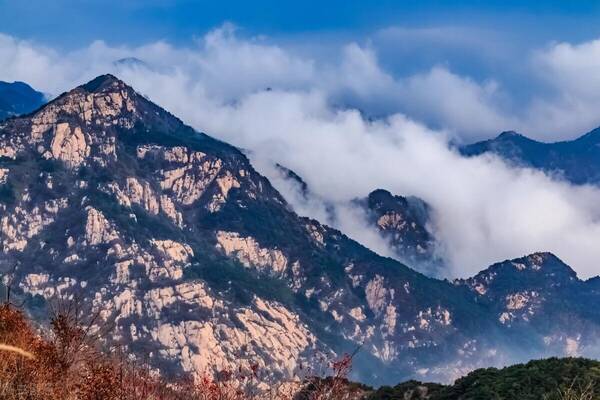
577	161
197	263
18	98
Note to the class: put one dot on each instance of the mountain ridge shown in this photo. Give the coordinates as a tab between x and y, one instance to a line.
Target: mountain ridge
577	161
198	263
18	98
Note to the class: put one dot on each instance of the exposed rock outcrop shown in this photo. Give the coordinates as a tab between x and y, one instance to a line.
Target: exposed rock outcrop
250	254
198	264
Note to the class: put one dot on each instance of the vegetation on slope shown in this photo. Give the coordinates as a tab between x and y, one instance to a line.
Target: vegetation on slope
68	364
549	379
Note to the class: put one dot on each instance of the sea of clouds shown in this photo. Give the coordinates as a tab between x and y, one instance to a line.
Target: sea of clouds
348	125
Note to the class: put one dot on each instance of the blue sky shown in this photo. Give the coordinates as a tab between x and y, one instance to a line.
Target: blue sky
509	28
73	23
504	59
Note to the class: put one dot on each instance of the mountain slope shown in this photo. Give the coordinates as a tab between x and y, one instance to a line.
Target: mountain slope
196	263
541	379
541	294
578	161
404	222
18	98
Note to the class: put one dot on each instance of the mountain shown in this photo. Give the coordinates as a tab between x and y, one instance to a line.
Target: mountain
578	161
295	178
404	222
192	261
552	379
541	293
131	62
18	98
46	364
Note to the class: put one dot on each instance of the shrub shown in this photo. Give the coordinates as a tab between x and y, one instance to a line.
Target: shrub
66	364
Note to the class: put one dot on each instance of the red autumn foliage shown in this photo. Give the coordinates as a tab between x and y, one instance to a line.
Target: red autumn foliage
67	365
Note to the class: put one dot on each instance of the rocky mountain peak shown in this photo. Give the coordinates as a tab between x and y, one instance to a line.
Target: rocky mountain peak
540	263
379	196
104	100
108	102
104	83
509	134
541	271
405	223
535	289
198	264
81	126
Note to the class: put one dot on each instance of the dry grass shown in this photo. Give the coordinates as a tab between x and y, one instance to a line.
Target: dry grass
67	365
13	349
577	391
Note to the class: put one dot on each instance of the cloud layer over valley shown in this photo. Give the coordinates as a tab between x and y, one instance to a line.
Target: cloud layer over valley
347	124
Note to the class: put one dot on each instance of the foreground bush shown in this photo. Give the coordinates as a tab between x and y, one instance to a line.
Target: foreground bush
67	365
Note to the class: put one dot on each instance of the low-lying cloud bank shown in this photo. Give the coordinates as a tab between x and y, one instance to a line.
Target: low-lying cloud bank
302	112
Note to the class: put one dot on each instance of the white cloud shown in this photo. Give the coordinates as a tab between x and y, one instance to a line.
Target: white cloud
469	109
572	76
229	66
19	60
485	210
572	69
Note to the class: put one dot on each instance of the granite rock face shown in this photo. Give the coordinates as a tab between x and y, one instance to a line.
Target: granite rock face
197	264
406	223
